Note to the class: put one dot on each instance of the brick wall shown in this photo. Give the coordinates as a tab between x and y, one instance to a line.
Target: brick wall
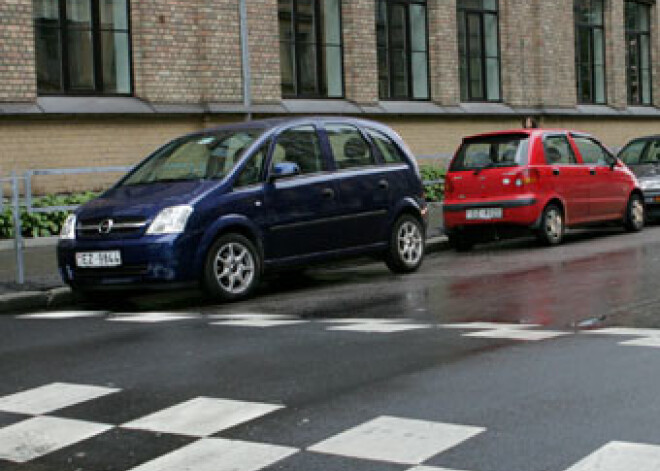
17	67
360	55
615	53
263	28
443	52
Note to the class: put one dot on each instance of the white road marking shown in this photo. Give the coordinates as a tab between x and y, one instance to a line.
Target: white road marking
363	320
621	456
202	416
488	326
39	436
397	440
252	316
218	454
151	317
625	331
510	334
51	397
652	342
430	468
262	323
63	315
380	328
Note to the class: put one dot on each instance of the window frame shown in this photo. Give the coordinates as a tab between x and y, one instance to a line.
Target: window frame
609	157
320	136
638	34
96	32
481	12
573	154
294	44
410	94
375	156
578	26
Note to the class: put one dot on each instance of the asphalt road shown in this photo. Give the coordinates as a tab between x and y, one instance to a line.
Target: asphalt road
509	358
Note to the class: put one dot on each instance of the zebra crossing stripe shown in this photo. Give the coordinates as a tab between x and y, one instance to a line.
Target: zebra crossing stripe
621	456
51	397
218	454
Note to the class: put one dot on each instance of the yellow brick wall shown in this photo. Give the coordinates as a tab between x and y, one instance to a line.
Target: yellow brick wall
97	142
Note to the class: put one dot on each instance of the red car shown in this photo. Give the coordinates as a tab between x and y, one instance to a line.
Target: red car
503	183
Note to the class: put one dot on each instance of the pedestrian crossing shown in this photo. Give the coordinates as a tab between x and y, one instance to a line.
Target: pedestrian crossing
383	442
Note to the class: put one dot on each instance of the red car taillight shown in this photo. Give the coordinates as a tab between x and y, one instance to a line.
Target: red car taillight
528	177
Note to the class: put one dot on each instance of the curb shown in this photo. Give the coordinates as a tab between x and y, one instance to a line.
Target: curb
29	243
16	303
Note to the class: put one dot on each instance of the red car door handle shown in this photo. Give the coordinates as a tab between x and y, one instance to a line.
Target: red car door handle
555	171
592	171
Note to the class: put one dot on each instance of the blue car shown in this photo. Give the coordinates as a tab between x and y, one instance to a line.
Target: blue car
223	206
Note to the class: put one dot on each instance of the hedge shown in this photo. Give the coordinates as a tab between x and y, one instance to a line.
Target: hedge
42	224
433	173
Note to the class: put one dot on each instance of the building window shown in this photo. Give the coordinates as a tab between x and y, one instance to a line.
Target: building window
479	50
590	51
82	47
638	52
311	48
402	39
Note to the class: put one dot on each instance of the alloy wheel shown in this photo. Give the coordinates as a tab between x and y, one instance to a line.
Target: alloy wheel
554	224
410	243
234	268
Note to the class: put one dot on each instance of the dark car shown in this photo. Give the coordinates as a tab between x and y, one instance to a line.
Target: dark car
542	180
642	155
224	205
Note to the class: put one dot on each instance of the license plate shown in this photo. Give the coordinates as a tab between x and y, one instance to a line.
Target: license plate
98	259
484	213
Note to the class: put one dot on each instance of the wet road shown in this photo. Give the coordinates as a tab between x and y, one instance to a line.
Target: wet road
504	359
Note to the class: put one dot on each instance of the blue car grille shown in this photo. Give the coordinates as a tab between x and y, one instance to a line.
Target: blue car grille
110	228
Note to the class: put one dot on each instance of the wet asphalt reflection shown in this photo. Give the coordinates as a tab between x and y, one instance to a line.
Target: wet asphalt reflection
597	278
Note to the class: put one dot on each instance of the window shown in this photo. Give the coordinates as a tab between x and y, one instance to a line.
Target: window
388	150
590	51
348	146
252	172
592	152
82	47
632	153
479	50
402	40
494	151
558	151
638	52
300	146
311	48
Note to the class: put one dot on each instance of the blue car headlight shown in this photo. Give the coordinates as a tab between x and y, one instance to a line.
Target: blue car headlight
171	220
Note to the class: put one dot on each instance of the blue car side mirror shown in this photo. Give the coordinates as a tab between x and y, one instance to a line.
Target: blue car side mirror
284	169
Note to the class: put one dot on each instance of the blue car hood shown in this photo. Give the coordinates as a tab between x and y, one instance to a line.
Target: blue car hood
144	201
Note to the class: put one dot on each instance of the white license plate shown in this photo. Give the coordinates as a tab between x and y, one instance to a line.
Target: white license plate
98	259
483	213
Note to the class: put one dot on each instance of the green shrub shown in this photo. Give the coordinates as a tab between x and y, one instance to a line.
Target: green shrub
436	191
42	224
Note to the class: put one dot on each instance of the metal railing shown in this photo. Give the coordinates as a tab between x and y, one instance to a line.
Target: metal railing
27	202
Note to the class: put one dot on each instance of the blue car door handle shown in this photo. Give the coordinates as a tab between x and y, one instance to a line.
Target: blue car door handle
328	193
383	184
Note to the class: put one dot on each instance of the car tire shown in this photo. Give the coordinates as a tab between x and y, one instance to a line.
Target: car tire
407	245
552	228
461	242
233	268
635	214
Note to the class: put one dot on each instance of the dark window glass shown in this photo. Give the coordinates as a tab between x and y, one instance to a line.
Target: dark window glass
82	46
311	48
252	173
300	146
479	50
496	151
348	146
591	152
590	51
558	151
390	152
638	52
402	41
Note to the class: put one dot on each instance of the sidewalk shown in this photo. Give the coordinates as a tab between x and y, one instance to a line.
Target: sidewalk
44	288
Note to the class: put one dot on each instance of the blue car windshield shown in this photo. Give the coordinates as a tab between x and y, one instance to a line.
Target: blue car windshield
207	156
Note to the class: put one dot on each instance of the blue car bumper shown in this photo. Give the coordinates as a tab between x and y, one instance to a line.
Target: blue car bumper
148	260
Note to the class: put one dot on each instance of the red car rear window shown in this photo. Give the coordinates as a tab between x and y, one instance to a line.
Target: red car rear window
510	150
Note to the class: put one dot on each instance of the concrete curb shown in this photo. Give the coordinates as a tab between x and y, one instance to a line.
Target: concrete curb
30	242
16	303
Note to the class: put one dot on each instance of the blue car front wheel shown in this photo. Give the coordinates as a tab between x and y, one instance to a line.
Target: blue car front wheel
233	268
